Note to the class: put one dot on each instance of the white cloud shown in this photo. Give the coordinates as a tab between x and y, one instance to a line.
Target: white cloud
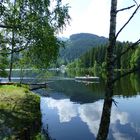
117	115
66	109
91	115
121	136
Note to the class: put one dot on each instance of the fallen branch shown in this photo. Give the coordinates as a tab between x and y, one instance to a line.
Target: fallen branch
8	83
41	85
34	84
36	88
37	85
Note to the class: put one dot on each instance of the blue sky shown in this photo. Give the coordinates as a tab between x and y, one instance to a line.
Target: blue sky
92	16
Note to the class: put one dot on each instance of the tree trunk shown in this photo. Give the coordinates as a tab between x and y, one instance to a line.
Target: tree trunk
110	48
11	67
102	133
105	120
12	56
13	45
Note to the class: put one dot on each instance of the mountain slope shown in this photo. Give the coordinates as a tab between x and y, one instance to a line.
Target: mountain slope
78	44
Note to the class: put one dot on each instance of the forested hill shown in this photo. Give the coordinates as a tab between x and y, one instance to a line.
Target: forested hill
80	43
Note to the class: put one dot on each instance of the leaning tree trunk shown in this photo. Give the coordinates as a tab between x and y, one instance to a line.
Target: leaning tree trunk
102	133
13	45
12	56
11	67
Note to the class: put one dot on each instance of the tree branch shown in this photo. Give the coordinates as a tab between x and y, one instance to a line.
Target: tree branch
16	50
126	73
127	8
23	48
132	46
5	26
135	2
127	21
8	26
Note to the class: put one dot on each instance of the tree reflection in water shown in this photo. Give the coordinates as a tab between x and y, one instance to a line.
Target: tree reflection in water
105	119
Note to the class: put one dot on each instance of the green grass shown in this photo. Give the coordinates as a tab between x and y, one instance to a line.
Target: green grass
19	113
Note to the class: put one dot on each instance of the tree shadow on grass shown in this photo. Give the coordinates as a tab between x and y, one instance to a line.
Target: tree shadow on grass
20	119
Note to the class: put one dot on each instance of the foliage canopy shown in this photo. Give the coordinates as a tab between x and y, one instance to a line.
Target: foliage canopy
32	25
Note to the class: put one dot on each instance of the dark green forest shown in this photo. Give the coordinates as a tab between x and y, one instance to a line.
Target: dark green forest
96	57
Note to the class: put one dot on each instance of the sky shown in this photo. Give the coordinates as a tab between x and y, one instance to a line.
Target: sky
93	16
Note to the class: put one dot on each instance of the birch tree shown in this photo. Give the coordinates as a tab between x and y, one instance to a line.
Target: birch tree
111	60
32	25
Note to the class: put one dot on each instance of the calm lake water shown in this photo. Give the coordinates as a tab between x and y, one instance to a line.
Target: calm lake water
72	110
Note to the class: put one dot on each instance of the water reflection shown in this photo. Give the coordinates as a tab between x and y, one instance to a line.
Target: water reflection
66	109
74	111
91	114
60	115
77	92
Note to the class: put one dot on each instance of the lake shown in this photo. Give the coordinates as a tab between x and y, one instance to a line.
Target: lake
72	110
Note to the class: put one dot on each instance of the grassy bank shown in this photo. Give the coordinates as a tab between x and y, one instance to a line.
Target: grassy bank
19	113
